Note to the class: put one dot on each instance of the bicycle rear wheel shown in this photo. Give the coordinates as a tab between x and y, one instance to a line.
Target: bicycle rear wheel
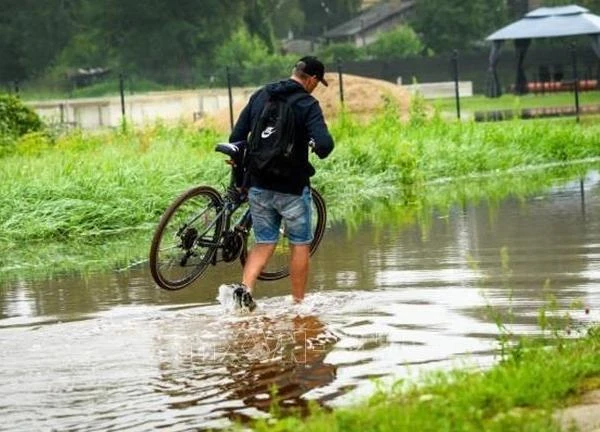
278	266
186	238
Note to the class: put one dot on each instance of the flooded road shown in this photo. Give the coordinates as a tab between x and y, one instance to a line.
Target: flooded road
113	352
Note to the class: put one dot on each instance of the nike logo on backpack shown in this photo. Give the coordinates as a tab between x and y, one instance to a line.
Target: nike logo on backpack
267	132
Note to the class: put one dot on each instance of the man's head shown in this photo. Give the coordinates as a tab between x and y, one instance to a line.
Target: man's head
309	71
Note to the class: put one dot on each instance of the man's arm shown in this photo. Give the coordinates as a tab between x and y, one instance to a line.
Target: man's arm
242	125
317	130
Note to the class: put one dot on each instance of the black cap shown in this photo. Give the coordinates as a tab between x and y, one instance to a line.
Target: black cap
312	66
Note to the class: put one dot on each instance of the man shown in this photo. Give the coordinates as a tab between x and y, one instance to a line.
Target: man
285	196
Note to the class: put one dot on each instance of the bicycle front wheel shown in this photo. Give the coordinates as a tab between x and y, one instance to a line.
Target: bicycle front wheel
278	266
186	238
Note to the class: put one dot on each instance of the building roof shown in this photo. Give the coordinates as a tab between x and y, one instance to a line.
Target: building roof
369	18
551	22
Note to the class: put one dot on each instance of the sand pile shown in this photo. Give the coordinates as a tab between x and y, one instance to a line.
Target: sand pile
363	97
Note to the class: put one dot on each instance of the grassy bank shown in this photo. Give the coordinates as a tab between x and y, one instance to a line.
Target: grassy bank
91	200
519	393
511	101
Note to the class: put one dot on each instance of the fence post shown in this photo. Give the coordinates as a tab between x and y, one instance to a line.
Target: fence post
339	69
456	90
228	74
122	93
575	80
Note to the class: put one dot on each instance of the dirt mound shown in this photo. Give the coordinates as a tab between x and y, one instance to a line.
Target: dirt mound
363	97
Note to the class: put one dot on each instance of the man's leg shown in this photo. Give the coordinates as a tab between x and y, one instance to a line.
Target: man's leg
300	255
257	259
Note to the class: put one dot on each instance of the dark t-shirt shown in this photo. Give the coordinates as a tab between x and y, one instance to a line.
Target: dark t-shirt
309	124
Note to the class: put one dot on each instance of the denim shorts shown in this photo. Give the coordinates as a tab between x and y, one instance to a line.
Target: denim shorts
269	209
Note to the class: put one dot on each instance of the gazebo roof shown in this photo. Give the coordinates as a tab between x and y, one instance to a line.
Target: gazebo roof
551	22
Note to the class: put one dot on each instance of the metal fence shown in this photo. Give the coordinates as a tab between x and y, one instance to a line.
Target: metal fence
569	68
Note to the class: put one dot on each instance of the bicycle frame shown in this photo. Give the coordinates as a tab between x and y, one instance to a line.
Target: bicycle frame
218	230
233	199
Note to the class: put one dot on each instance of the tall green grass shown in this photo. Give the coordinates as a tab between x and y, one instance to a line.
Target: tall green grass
98	188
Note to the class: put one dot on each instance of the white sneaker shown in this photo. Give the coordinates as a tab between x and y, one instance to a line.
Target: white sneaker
242	297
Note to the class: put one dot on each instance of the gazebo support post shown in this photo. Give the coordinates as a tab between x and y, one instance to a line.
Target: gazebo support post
456	83
575	80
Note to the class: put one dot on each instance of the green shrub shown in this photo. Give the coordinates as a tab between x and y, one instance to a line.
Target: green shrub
32	144
398	43
250	61
341	51
16	119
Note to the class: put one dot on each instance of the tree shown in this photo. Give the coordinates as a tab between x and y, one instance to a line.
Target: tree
321	15
396	44
448	24
592	5
250	61
11	67
158	39
258	19
341	51
32	33
164	40
287	15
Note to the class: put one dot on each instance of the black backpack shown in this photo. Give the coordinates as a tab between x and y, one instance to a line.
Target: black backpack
271	141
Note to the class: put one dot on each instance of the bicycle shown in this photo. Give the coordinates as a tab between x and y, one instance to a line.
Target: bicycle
203	227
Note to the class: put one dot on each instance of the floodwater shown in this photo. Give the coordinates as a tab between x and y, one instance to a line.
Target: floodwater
113	352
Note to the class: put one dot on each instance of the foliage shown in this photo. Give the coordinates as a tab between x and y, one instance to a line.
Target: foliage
396	44
259	21
85	50
321	15
95	185
241	49
32	33
455	24
340	51
288	17
17	119
514	102
150	36
157	38
518	394
592	5
177	45
33	144
417	110
250	60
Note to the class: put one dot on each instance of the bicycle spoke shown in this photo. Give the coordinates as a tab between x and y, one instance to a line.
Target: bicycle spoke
186	238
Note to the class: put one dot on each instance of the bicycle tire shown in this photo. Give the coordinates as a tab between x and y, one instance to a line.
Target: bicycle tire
186	238
278	266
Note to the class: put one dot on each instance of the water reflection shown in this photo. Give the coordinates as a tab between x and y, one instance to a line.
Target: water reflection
233	371
112	351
